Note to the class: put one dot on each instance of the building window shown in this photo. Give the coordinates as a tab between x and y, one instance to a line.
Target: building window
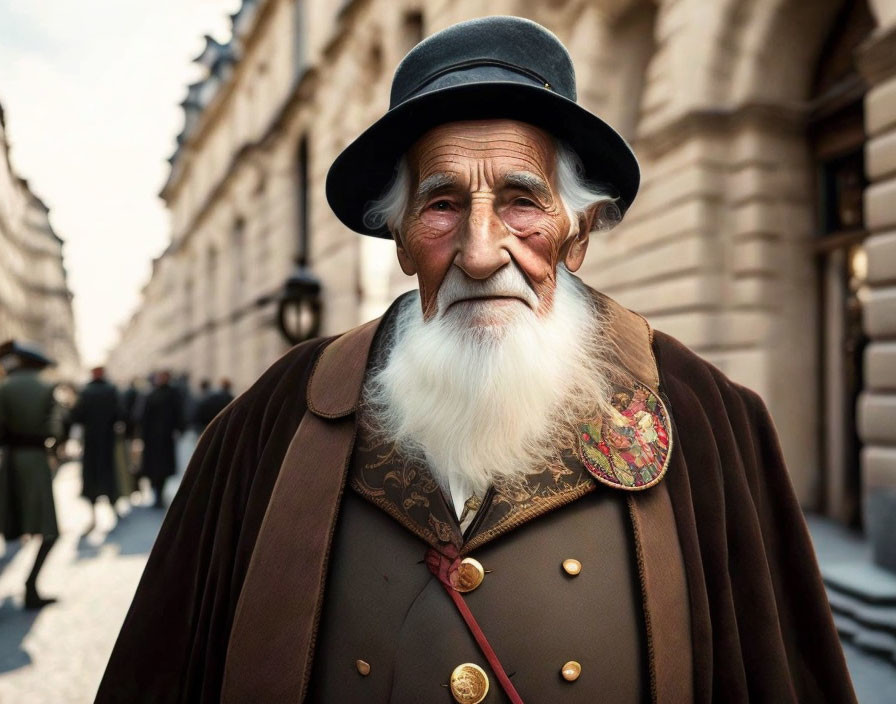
238	260
211	274
304	216
412	29
300	41
188	305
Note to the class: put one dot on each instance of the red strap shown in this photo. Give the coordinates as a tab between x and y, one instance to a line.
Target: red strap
442	565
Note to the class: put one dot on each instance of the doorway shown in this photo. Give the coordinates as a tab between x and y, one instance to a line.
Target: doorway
837	140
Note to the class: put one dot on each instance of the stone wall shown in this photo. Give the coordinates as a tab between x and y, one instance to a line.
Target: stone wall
35	301
877	406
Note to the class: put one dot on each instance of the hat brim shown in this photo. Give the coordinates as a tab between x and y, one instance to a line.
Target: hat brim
361	173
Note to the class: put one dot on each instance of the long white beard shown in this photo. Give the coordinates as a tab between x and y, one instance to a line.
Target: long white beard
485	392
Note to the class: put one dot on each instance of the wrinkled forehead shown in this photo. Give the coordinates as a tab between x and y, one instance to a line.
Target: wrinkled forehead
497	146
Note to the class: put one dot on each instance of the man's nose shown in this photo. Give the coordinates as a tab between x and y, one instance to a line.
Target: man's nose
482	247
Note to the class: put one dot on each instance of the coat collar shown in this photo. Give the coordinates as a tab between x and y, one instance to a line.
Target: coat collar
405	488
338	375
334	389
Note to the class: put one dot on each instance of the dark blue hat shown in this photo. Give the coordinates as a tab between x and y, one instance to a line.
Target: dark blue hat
489	68
15	354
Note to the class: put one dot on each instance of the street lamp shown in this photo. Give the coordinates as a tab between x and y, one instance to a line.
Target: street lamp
299	306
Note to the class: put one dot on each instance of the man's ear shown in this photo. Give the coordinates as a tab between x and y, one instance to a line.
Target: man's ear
578	245
575	252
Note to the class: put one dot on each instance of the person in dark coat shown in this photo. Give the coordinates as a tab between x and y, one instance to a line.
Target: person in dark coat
162	419
97	411
30	421
211	404
200	418
224	394
129	409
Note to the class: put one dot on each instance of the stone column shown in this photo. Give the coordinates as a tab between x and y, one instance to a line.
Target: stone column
877	404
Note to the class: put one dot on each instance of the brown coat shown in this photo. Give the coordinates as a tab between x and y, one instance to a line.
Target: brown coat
221	587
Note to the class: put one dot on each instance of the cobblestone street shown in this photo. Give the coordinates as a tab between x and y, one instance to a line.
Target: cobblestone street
59	654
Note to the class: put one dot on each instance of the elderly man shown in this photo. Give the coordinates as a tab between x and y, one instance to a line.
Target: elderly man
509	488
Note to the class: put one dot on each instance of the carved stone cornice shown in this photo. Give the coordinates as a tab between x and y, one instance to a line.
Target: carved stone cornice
775	118
876	56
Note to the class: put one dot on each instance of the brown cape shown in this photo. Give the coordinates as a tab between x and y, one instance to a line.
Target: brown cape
760	623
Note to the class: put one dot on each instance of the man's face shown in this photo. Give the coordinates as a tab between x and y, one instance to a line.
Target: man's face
484	199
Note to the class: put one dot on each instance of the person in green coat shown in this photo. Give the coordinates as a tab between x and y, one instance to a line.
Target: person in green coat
29	418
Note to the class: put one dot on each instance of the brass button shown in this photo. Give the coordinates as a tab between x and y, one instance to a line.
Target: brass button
572	567
469	684
363	667
571	671
468	576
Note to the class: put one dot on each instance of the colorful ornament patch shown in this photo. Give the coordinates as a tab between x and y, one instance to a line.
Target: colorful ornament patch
630	448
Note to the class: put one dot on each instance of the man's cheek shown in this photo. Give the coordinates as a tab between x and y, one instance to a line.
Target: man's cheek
430	280
538	255
432	258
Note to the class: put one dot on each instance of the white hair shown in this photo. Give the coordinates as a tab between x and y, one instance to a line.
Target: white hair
576	192
471	397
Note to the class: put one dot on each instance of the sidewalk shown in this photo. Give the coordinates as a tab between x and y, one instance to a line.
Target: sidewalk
845	561
58	655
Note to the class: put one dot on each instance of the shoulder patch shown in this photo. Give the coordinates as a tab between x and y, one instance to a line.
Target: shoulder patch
630	448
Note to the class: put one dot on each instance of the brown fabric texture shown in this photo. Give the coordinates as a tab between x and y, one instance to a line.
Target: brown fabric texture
664	586
384	607
406	490
335	385
173	642
761	624
261	635
761	627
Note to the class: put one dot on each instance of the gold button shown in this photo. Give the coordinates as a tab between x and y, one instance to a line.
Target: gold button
572	567
363	667
571	671
469	684
468	576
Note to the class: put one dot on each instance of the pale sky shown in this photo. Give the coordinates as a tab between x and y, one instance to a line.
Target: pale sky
91	91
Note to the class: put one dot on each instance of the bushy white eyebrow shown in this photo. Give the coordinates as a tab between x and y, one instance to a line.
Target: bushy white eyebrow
528	181
430	185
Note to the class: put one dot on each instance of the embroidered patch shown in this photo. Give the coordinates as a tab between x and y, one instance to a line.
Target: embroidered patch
630	448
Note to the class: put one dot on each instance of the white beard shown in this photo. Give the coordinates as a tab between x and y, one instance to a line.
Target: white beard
489	391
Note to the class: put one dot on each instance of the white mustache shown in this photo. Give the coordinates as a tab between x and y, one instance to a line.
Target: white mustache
507	282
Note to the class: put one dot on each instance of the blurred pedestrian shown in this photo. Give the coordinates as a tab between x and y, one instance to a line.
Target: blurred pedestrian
133	400
225	393
200	419
181	384
30	423
161	421
212	404
130	408
98	411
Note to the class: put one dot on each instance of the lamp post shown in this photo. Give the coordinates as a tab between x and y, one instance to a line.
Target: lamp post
299	306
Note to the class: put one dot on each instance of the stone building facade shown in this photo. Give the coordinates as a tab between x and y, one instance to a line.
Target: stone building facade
35	301
764	234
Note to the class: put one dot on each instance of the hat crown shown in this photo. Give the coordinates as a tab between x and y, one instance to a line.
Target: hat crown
506	43
494	68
